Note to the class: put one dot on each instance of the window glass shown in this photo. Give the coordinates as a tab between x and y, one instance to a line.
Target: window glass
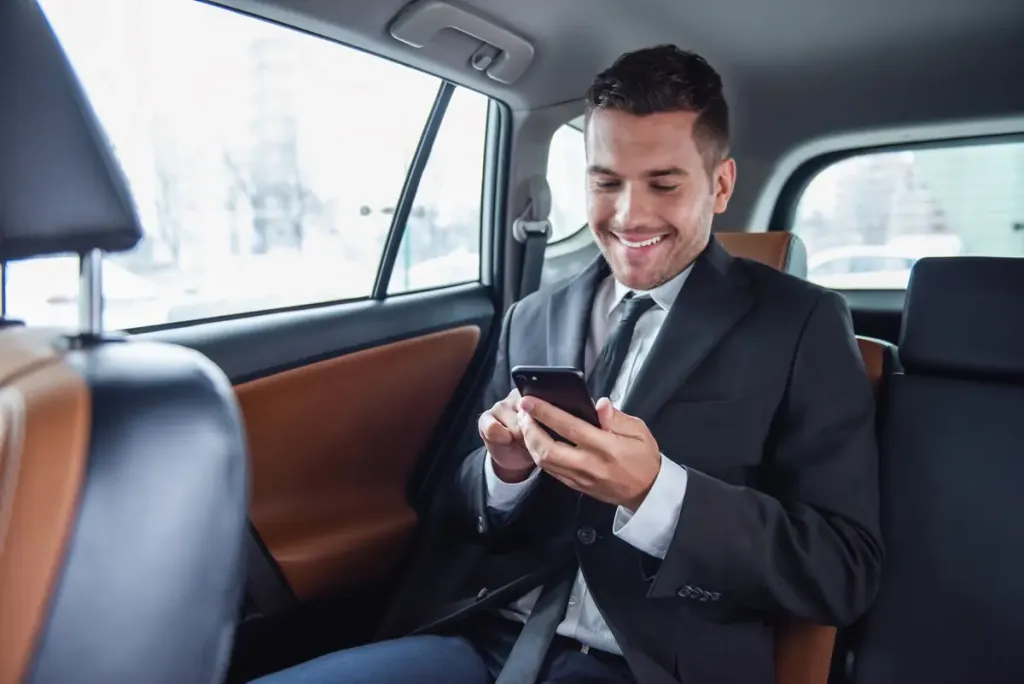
567	175
867	219
258	157
441	244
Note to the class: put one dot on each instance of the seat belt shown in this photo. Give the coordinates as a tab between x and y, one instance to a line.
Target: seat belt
532	229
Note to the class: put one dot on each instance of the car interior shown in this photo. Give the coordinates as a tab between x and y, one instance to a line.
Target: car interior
222	462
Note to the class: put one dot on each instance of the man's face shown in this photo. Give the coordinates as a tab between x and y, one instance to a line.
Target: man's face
650	199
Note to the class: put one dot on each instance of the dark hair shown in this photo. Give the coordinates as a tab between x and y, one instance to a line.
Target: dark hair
665	78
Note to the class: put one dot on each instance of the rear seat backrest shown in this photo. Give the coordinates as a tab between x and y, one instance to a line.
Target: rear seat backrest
951	605
781	250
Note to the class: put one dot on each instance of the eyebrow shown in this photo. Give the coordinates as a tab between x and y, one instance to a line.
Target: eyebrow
656	173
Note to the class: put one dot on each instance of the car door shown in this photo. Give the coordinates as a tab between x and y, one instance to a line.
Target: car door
319	223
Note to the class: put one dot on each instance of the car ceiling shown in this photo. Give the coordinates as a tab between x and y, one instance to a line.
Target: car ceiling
794	69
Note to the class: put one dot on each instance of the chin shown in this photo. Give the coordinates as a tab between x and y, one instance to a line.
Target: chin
639	279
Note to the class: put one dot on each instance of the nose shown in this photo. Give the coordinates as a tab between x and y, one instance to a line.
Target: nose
633	208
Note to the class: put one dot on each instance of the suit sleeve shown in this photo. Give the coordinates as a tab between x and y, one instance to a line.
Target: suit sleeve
808	545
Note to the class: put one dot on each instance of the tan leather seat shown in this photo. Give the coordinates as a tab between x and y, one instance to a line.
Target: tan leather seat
123	474
803	650
784	251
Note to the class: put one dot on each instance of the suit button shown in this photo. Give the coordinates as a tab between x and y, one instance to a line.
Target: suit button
586	534
481	594
480	527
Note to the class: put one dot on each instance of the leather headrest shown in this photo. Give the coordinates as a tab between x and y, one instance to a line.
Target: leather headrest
61	190
781	250
965	316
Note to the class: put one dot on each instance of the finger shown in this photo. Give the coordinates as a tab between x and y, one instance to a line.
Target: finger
506	414
547	452
615	421
491	430
570	466
577	431
606	413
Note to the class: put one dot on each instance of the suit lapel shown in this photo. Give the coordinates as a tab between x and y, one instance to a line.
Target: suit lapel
713	299
569	316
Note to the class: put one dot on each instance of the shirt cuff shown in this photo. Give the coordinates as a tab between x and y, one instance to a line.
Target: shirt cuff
503	496
651	527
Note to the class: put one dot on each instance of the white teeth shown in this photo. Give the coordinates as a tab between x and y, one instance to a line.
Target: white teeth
645	243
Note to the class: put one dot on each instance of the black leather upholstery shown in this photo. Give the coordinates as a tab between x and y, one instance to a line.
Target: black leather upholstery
152	580
61	189
951	606
965	315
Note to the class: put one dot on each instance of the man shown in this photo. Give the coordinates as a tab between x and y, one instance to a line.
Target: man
733	480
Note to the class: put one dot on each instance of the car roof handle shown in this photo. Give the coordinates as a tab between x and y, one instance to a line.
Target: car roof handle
505	56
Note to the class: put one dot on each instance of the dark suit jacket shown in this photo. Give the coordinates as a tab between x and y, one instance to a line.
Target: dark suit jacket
755	385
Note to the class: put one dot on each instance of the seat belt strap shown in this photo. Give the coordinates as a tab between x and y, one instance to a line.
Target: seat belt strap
532	230
534	237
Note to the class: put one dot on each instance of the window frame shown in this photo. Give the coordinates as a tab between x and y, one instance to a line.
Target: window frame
495	135
783	212
493	199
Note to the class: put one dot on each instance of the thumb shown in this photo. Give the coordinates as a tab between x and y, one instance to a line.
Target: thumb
611	418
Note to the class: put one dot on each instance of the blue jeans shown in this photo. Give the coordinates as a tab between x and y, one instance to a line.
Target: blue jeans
430	659
426	659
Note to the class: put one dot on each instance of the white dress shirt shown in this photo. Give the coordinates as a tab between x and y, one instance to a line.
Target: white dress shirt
651	526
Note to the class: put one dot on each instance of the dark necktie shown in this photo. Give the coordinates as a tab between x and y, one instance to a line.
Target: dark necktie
608	364
528	653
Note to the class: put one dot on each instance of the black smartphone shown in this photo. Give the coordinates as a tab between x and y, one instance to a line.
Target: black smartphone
561	386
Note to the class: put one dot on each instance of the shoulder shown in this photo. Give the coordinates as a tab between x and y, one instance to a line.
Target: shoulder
537	302
779	290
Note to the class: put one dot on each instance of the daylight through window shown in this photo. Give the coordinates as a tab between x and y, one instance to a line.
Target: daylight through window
867	219
266	164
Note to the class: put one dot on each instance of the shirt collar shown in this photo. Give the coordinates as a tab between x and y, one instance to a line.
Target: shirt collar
664	295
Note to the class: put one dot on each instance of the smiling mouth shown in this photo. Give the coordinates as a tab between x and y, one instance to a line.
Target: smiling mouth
638	244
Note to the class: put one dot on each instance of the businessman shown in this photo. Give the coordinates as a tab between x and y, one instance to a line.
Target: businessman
731	484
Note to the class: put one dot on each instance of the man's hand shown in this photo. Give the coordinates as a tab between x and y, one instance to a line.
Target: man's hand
616	463
499	429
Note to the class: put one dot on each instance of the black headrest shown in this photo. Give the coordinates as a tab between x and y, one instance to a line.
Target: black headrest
61	189
965	316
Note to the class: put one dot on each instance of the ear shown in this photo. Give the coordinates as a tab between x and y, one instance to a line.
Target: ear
723	183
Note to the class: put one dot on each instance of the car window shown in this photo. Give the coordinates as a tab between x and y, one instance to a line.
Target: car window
566	174
868	218
441	243
265	162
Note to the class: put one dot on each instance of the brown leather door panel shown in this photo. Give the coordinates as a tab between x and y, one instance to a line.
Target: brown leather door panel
333	444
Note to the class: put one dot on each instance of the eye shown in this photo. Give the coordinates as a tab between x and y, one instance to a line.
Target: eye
607	184
662	187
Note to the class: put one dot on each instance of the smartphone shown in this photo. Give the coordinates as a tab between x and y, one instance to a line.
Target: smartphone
561	386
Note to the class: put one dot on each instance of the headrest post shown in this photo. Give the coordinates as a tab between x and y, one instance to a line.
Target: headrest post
3	289
90	293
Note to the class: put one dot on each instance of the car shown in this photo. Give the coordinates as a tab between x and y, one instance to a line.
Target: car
880	133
